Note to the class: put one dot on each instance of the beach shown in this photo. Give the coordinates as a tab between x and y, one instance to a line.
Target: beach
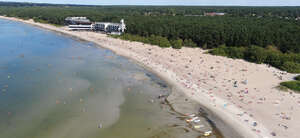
237	95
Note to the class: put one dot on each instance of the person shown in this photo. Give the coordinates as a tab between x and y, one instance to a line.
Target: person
235	84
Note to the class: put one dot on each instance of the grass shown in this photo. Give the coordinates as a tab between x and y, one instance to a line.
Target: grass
293	85
282	88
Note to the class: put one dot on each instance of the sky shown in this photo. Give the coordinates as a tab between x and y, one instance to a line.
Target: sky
172	2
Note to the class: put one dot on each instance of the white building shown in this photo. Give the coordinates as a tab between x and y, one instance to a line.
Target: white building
107	27
80	27
112	28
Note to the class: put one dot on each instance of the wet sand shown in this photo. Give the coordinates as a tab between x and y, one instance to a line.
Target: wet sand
252	108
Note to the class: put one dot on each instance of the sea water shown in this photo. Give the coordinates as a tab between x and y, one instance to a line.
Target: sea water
54	86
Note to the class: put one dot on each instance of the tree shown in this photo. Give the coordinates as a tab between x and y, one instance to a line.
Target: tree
177	44
189	43
163	42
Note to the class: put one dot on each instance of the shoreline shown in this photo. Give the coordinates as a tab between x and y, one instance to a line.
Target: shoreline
221	111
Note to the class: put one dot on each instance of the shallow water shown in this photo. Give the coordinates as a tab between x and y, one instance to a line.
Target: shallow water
53	86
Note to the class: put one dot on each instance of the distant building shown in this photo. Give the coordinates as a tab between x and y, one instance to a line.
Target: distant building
81	23
80	27
214	14
77	21
112	28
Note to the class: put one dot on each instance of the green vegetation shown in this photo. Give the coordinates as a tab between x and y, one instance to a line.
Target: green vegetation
154	40
257	34
241	26
189	43
293	85
177	44
297	78
283	61
282	88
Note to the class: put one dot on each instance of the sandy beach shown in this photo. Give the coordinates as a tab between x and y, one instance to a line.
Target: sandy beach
237	95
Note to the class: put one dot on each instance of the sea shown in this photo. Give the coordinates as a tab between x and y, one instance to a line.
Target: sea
56	86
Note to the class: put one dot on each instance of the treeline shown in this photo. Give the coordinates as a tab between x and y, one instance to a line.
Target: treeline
167	26
178	10
158	40
211	32
206	32
269	55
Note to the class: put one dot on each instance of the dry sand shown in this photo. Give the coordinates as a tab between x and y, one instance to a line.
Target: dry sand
254	108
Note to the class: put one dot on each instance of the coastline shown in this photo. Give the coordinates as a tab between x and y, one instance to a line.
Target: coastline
225	117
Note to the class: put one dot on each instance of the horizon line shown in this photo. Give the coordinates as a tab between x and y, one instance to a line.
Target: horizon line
76	4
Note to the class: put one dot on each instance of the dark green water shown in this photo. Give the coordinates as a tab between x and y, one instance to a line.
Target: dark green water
53	86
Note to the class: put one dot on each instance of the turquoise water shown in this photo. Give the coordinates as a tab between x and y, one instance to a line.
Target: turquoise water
54	86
